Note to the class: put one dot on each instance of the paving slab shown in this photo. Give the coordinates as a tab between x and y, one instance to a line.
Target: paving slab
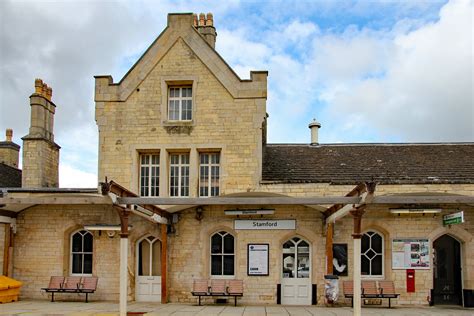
44	307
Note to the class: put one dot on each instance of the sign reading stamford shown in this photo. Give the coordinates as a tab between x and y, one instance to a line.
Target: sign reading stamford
264	224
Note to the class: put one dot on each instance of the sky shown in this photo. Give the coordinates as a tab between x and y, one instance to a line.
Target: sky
368	71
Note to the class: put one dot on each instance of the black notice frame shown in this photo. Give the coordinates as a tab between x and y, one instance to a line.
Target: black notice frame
252	269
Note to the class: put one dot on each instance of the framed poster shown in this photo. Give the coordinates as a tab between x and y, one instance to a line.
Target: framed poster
410	253
339	259
257	259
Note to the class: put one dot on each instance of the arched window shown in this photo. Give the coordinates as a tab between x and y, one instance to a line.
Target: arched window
81	252
372	254
222	254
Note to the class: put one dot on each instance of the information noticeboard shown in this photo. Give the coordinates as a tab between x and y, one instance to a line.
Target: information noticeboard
410	253
257	259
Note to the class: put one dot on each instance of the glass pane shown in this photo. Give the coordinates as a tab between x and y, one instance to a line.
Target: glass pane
365	243
88	263
88	239
216	265
365	266
303	247
377	243
288	265
228	244
77	242
377	265
145	257
76	263
303	265
228	265
216	244
156	262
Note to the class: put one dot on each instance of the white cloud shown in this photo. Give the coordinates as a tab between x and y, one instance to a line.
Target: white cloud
425	92
71	177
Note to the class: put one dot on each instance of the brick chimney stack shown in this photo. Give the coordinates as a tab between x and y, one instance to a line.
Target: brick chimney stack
9	151
40	152
205	26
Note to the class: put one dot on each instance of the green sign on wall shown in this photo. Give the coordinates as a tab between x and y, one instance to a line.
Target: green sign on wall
455	218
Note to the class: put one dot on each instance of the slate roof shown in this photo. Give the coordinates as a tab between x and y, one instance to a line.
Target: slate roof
9	177
354	163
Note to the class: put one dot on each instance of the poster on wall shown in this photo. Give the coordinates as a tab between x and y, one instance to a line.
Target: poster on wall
257	259
410	253
339	259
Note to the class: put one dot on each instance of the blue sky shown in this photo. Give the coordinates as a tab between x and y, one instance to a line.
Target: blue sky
369	71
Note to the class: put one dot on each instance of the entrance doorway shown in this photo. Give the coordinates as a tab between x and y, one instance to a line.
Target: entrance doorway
296	274
148	276
447	271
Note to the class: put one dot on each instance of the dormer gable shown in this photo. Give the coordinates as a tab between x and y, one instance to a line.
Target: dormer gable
197	35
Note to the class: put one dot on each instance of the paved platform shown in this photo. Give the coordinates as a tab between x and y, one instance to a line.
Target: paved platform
156	309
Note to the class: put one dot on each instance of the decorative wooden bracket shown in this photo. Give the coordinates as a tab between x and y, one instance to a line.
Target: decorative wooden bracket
357	213
123	215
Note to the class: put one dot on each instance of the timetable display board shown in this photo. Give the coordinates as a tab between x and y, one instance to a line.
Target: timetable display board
410	253
257	259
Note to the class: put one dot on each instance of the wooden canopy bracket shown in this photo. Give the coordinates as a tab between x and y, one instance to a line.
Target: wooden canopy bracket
117	189
123	215
357	215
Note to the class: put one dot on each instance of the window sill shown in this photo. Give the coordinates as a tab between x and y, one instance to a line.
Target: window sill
178	127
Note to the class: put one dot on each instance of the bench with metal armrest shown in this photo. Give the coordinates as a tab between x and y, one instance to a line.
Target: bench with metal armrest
234	288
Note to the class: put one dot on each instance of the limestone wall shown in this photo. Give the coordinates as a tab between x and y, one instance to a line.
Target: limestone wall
42	244
227	113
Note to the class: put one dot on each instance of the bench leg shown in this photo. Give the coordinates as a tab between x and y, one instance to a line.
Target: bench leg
52	296
352	302
235	300
199	299
389	303
86	297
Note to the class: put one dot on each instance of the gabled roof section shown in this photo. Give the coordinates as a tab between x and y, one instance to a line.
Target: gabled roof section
382	163
180	26
9	177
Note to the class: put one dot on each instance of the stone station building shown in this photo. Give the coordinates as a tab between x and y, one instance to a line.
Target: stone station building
195	192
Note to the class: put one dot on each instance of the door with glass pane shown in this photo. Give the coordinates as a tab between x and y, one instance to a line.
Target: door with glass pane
296	272
148	275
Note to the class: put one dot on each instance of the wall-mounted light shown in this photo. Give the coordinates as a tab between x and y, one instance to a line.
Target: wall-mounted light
199	213
250	212
415	210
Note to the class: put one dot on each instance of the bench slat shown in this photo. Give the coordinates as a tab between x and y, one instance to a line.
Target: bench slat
218	287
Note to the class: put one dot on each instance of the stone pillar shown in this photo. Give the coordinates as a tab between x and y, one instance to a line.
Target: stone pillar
357	235
123	214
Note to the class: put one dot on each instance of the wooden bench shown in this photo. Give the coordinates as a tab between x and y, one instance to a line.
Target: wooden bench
387	290
234	288
58	284
369	289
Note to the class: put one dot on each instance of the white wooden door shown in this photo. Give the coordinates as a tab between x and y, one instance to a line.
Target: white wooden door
148	276
296	274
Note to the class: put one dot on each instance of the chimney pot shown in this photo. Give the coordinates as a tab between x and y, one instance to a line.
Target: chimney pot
38	86
195	20
9	134
202	19
210	20
314	126
44	90
49	93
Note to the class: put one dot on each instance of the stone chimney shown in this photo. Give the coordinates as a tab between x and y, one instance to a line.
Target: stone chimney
314	127
9	151
40	152
205	26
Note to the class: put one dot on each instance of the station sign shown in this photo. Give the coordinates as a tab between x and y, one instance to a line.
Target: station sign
264	224
455	218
